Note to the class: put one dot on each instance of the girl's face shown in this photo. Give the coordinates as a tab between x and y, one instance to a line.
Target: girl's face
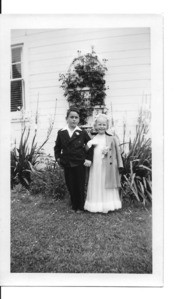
101	125
73	119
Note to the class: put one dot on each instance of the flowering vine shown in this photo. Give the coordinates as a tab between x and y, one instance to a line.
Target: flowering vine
84	83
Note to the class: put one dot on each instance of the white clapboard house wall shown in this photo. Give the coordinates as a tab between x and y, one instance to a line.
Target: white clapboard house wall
44	54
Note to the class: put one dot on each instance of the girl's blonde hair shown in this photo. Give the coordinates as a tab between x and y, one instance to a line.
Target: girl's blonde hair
100	116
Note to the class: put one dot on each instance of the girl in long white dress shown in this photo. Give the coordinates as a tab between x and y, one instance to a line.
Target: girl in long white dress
103	191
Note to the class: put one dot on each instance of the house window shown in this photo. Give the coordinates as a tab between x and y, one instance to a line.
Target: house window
17	82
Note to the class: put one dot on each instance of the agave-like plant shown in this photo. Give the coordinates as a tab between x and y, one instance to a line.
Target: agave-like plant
137	174
25	157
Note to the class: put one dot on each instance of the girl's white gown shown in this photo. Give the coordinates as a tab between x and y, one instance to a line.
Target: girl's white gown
100	199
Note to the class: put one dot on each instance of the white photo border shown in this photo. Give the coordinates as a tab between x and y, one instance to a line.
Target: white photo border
155	23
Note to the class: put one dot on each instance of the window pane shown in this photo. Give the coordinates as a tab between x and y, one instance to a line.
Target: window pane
16	95
16	55
16	71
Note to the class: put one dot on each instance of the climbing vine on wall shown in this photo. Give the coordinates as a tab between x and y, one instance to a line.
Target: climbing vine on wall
84	84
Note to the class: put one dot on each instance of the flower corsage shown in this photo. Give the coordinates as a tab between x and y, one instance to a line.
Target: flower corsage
105	151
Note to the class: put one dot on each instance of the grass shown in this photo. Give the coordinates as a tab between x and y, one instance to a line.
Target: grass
48	237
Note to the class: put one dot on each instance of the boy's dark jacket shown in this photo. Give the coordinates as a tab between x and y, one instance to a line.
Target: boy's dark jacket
71	150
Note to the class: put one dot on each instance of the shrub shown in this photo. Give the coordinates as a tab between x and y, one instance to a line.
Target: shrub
49	181
137	173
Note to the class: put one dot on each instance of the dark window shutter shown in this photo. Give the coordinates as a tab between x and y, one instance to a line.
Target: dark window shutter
16	95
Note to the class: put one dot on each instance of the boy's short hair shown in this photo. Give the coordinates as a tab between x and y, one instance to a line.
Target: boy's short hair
72	109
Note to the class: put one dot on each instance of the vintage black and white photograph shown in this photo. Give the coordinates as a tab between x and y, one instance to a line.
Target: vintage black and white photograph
81	141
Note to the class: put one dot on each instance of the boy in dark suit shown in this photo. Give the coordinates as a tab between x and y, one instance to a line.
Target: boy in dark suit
70	153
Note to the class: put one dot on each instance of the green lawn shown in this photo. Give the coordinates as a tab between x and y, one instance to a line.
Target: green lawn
48	236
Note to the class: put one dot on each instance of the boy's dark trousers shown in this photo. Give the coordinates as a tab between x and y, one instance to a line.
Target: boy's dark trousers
75	181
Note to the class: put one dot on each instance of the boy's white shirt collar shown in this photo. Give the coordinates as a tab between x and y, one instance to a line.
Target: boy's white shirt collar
71	131
67	128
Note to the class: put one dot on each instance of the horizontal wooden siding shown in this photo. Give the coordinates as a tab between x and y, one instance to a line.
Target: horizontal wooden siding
50	52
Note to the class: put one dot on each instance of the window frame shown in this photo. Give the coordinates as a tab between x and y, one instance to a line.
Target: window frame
21	62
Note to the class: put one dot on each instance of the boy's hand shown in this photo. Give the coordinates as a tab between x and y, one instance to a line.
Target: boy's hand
87	163
91	142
